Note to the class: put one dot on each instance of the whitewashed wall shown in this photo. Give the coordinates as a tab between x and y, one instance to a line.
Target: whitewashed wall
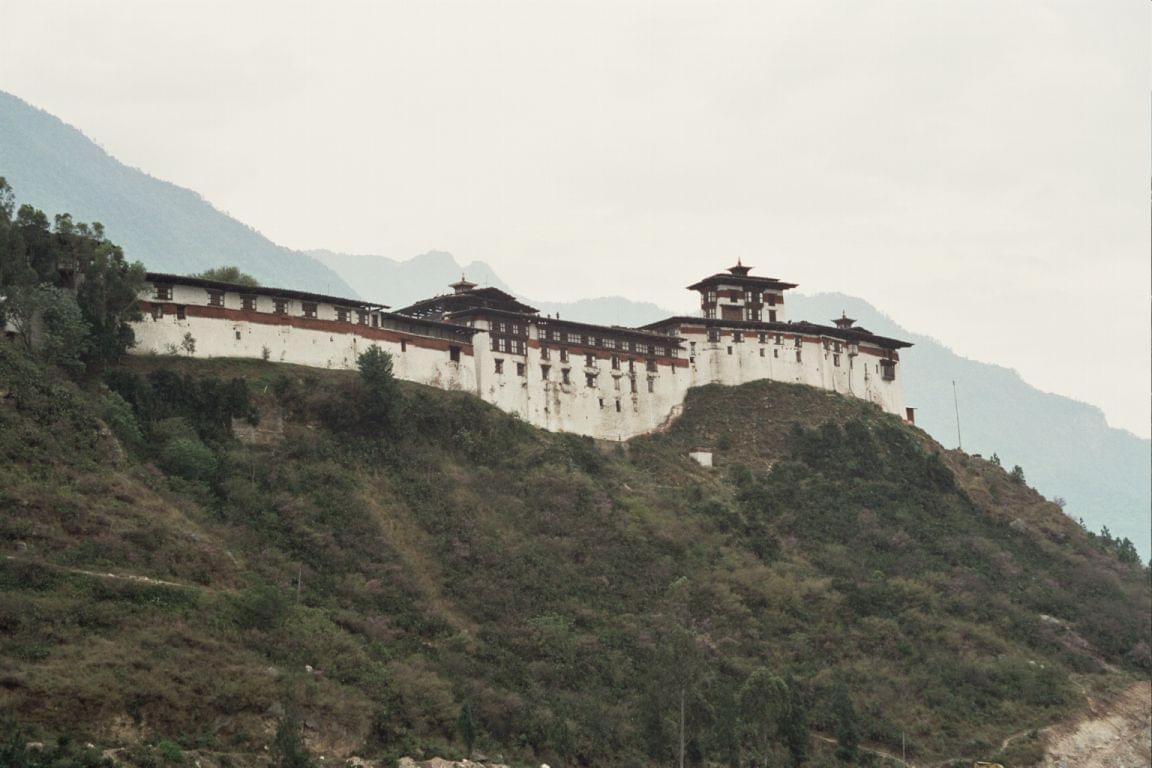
423	360
550	404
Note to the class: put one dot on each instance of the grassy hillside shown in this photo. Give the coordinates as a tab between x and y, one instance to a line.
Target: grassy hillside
58	169
164	581
1065	446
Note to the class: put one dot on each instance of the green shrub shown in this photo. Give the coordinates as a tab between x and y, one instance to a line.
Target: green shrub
188	458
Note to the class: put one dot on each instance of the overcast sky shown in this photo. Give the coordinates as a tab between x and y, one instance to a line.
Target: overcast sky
978	170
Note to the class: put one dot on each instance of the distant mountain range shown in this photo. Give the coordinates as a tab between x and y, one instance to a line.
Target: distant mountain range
56	168
1065	447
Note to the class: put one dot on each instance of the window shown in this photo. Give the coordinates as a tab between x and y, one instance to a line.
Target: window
631	365
375	320
651	385
563	355
545	354
887	370
280	306
779	338
615	363
776	354
617	406
798	356
660	352
309	309
362	316
729	349
454	354
737	336
519	369
181	312
544	371
711	297
215	298
590	360
770	299
601	400
572	338
403	345
835	359
237	335
651	366
248	303
609	343
761	353
771	315
763	339
164	293
632	381
564	376
799	341
589	380
342	314
158	312
499	366
713	335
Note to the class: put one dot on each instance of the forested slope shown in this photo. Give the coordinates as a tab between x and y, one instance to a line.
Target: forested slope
388	569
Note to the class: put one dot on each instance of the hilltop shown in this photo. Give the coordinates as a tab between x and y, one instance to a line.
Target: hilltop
223	547
1066	447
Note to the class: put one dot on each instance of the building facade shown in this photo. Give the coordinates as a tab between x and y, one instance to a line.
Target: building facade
608	382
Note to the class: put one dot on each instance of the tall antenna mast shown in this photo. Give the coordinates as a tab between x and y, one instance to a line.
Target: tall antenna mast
956	405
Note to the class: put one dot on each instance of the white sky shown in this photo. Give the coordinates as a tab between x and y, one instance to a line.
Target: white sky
979	169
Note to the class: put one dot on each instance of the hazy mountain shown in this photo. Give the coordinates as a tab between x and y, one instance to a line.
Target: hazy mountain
1066	447
58	169
398	283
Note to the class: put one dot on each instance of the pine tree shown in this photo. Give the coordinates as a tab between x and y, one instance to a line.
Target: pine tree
847	733
466	725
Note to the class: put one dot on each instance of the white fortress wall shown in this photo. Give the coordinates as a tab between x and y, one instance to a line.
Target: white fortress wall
608	383
322	341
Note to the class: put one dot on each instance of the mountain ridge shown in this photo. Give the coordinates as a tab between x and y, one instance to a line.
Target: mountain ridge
53	166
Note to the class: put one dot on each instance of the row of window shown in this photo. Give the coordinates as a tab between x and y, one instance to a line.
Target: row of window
606	342
566	375
309	309
750	297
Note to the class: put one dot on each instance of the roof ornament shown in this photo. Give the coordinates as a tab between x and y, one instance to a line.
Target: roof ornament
463	285
844	321
740	270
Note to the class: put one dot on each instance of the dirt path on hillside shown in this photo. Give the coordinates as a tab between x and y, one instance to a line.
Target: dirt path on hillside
129	577
1114	734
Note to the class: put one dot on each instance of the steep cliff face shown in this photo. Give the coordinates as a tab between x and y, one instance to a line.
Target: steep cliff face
369	572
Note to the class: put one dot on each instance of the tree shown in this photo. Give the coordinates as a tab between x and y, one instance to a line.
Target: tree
763	699
229	274
378	404
466	725
792	724
23	308
682	662
847	733
288	746
66	334
1017	475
